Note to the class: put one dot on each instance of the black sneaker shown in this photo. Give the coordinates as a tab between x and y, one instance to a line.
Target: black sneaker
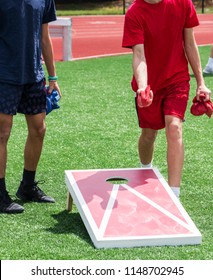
7	205
33	193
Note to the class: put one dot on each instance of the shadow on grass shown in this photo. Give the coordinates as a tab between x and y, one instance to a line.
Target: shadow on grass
70	223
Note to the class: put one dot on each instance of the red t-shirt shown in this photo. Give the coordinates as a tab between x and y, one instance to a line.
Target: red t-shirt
160	28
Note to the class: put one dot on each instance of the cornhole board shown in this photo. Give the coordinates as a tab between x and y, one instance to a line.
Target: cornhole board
129	208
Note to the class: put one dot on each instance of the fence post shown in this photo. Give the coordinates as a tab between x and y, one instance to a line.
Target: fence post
203	6
124	7
67	47
62	27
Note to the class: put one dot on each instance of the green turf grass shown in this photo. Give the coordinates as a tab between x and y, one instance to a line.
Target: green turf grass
88	9
96	127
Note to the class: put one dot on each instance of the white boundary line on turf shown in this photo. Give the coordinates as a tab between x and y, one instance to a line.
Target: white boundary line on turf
100	56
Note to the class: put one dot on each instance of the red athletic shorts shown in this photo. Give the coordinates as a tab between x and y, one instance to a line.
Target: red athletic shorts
171	100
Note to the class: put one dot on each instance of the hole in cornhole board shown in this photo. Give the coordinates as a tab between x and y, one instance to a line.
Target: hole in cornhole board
117	180
139	211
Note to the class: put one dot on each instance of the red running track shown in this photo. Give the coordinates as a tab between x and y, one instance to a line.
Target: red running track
94	36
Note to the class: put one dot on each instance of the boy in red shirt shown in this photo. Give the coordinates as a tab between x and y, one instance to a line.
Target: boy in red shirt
160	33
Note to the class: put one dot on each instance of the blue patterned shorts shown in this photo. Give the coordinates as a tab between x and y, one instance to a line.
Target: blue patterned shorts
29	99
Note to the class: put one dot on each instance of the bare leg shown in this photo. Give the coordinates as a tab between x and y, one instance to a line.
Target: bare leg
211	52
7	205
146	145
34	143
5	129
175	150
209	66
32	153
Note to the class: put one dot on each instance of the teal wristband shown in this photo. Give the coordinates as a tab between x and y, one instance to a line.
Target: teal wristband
52	78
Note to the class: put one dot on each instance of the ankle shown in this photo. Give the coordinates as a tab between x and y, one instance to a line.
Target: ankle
176	191
28	177
149	165
2	184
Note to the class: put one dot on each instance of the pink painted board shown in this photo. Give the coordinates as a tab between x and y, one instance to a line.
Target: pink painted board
140	211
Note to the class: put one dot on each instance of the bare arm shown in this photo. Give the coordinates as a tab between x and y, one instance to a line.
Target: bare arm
193	56
47	52
144	94
139	66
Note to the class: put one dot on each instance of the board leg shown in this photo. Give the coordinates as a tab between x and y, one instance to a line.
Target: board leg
69	202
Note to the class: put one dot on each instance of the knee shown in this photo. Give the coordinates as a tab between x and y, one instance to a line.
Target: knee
5	130
149	136
41	131
38	131
174	131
